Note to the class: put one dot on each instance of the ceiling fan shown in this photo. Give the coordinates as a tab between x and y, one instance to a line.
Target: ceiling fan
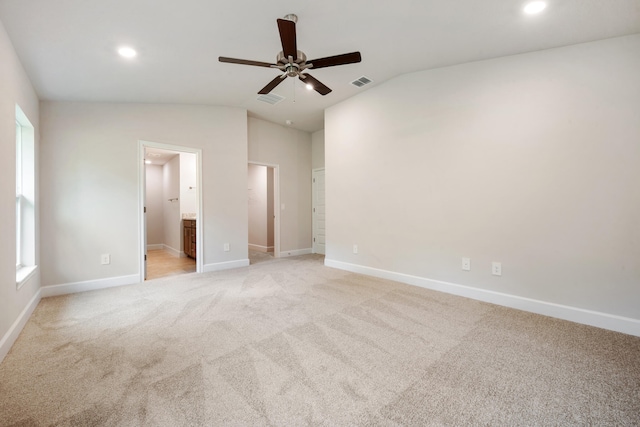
293	62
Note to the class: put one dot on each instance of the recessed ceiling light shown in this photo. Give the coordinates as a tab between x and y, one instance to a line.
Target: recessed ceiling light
309	87
534	7
127	52
148	162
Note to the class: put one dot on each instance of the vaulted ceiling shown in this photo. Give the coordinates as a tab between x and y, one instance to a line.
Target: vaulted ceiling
68	47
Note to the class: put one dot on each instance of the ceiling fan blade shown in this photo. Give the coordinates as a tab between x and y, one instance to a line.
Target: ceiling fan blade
331	61
318	86
288	38
272	84
245	62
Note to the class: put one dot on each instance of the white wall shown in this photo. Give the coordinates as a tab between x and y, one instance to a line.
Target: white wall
291	150
90	183
531	160
188	177
317	149
15	88
171	205
155	209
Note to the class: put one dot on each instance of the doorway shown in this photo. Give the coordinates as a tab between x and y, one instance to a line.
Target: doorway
263	219
170	206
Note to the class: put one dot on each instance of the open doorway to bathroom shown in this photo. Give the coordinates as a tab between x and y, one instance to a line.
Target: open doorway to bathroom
263	194
170	214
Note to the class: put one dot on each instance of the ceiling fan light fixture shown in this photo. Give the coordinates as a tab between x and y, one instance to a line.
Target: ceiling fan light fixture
309	86
534	7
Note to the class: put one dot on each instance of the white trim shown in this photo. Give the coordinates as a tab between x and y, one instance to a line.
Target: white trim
89	285
295	252
141	181
155	247
598	319
260	248
217	266
14	331
276	202
23	274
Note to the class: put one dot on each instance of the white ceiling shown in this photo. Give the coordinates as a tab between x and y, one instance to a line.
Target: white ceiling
68	46
158	156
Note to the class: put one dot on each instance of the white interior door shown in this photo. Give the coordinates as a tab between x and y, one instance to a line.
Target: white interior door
144	218
319	212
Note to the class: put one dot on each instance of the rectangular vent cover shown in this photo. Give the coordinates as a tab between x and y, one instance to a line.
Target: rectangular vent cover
270	98
361	81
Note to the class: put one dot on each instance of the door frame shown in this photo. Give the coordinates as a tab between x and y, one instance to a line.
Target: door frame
142	195
276	206
314	221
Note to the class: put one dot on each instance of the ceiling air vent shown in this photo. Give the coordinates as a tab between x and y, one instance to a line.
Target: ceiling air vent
361	81
270	98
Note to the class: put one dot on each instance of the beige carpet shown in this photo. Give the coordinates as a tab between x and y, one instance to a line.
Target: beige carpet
291	342
256	256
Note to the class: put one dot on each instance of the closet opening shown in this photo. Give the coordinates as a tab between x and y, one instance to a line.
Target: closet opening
263	215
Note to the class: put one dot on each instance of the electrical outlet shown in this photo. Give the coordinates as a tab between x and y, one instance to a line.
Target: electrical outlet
355	249
226	247
466	264
105	259
496	268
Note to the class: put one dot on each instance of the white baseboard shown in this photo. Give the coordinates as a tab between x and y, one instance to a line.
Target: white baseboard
598	319
225	265
89	285
155	247
295	252
260	248
175	252
12	334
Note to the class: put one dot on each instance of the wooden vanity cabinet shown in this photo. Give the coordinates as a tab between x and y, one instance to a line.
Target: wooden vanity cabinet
189	237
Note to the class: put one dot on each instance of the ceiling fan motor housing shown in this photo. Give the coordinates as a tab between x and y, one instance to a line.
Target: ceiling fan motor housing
292	68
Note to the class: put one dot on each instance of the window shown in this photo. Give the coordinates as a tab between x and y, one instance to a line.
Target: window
25	199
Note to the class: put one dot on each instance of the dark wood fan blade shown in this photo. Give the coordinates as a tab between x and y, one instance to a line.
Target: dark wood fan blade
318	86
244	62
272	84
331	61
288	38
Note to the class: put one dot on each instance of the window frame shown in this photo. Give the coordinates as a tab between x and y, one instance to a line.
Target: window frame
18	195
26	227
